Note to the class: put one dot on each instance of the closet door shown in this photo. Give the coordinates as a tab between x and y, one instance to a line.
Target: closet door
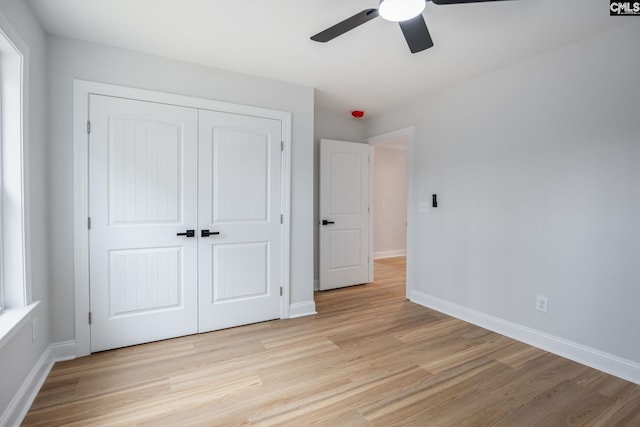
239	207
142	181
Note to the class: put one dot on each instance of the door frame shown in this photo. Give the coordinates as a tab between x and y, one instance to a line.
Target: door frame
407	133
81	91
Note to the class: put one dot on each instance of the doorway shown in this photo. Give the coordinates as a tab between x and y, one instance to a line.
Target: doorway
390	199
390	228
400	240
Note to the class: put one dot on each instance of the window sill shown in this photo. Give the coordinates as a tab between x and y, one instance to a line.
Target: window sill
11	319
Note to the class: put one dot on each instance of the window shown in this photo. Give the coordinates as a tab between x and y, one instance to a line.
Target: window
14	289
1	215
11	200
1	197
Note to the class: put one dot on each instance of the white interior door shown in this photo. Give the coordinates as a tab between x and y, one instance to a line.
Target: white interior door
344	214
143	276
240	190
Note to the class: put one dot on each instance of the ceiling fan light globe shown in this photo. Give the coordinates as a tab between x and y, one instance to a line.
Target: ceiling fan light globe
400	10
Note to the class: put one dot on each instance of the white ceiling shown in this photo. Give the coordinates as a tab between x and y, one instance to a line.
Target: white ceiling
369	68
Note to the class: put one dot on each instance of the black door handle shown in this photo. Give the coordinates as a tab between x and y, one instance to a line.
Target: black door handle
325	222
189	233
207	233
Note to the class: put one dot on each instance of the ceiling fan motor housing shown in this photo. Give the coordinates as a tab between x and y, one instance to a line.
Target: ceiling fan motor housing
400	10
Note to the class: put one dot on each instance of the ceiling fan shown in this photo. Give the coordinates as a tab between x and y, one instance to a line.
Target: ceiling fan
407	13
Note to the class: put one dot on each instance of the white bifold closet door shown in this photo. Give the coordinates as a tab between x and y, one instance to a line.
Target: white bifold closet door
159	176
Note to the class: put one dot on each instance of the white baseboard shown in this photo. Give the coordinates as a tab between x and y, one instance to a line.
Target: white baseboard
300	309
389	254
62	351
606	362
23	399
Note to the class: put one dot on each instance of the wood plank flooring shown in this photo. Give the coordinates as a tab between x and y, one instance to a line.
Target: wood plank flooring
369	357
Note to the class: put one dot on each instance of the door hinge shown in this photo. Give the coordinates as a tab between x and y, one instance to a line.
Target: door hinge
280	290
88	127
89	317
281	145
281	219
89	223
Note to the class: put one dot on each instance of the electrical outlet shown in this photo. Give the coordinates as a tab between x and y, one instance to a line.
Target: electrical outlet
542	303
34	330
423	207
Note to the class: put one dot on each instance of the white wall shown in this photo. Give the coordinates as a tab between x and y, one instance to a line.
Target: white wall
390	202
338	125
537	171
19	355
69	59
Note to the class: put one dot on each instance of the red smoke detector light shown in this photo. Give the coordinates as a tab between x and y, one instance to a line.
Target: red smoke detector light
357	114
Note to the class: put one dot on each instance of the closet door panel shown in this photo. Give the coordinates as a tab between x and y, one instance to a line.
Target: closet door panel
142	181
239	195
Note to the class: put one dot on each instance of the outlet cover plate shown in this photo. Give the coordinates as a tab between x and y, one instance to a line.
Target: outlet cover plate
542	303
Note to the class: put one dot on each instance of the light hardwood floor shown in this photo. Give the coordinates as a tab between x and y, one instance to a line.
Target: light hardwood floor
369	357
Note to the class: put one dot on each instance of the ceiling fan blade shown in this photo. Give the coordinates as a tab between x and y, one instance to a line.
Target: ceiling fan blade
460	1
346	25
416	33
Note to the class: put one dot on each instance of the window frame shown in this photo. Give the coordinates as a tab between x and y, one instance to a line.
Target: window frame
14	216
2	305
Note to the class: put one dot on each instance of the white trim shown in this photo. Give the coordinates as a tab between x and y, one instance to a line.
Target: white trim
372	203
609	363
286	212
395	147
300	309
389	254
62	351
407	133
316	285
17	409
81	91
